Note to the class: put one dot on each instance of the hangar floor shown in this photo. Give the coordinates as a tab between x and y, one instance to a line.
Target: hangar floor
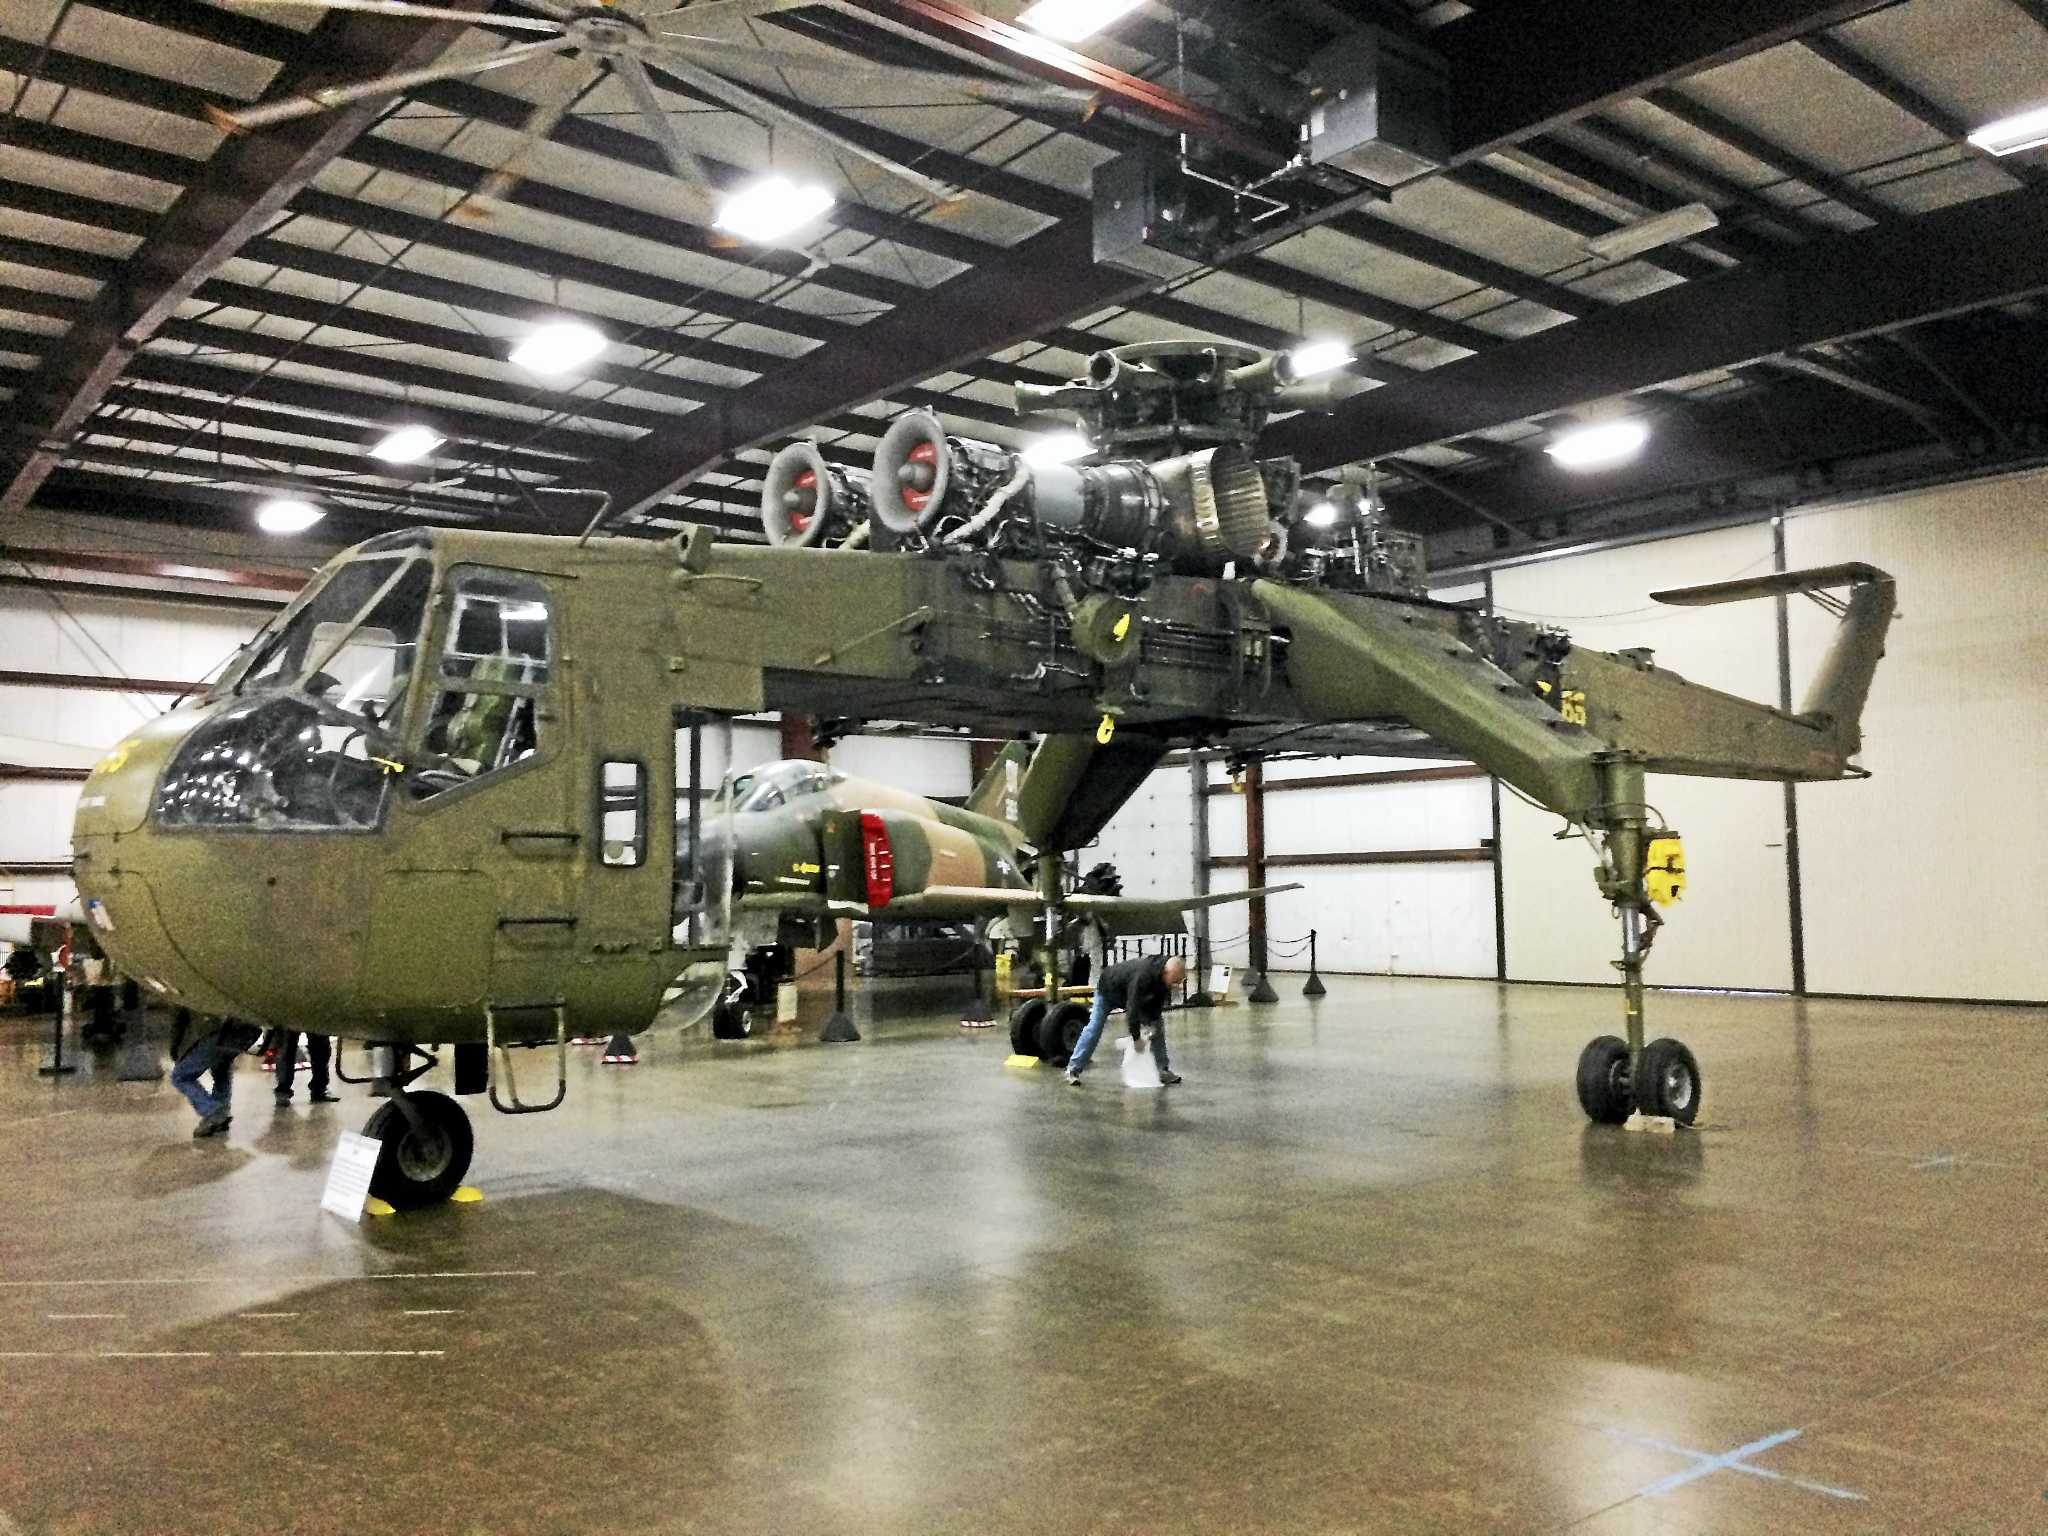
1366	1270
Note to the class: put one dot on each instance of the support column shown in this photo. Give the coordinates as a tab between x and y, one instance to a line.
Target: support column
797	740
1198	790
1795	897
1257	988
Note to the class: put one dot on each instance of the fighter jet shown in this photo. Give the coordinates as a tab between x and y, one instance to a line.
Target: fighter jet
811	845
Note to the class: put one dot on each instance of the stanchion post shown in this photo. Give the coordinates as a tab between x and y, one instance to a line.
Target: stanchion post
58	1066
1315	987
839	1027
977	1014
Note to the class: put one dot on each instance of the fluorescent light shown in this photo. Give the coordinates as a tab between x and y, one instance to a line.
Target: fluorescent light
286	514
558	347
1314	357
1068	21
771	208
1057	448
2010	135
1323	514
1595	447
407	445
1660	229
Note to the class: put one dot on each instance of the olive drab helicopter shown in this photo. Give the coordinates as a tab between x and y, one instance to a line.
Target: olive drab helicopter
430	804
812	845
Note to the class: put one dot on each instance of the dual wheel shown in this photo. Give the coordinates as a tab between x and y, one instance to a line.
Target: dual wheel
1047	1033
421	1157
1669	1083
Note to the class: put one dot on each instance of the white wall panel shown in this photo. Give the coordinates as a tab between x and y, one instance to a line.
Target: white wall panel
920	765
1925	880
1151	840
1731	930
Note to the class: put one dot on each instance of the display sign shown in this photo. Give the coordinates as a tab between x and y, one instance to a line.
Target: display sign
348	1176
1219	981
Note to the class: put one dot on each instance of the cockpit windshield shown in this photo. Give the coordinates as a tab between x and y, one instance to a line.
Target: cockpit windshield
311	739
768	788
353	645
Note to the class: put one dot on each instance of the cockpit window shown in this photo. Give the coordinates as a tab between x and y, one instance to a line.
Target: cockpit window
494	670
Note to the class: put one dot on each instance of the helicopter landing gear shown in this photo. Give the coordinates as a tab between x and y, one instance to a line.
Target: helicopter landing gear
424	1147
1616	1076
731	1017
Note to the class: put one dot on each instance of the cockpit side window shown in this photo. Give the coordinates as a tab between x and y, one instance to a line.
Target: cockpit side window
494	673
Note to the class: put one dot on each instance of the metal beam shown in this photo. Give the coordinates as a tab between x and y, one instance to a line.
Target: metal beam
1033	53
246	184
156	568
1048	278
1895	274
1518	70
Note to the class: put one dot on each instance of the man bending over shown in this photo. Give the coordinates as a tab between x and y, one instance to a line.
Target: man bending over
1141	989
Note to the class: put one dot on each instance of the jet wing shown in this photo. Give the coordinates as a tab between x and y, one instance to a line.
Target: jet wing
1121	916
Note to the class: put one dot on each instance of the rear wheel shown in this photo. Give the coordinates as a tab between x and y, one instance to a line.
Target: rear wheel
1060	1031
1604	1089
1669	1083
423	1164
731	1018
1024	1027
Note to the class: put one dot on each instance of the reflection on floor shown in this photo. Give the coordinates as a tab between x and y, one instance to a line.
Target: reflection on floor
1366	1270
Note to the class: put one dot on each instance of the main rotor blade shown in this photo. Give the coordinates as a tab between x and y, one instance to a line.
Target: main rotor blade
753	104
405	10
329	97
633	75
714	51
541	124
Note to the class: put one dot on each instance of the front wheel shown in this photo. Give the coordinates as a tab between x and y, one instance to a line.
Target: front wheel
1669	1083
731	1018
423	1164
1024	1027
1604	1089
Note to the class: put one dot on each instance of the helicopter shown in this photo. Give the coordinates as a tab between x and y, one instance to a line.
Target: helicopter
445	771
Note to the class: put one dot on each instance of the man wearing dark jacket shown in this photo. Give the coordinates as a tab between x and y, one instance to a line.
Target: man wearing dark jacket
1141	988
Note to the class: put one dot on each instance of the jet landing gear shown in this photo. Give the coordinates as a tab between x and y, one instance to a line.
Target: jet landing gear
1639	871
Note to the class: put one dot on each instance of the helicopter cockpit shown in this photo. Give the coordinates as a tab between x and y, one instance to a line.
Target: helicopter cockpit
326	708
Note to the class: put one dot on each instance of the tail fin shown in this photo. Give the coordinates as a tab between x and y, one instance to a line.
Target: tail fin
996	794
1835	699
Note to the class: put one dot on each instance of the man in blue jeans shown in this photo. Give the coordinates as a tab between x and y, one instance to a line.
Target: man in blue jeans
1141	988
215	1052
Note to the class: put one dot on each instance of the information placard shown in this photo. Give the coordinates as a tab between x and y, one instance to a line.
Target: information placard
348	1176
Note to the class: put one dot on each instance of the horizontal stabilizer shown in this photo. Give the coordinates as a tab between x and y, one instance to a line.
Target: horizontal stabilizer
1777	584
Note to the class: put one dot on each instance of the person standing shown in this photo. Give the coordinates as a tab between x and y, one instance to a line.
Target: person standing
319	1056
1141	988
213	1052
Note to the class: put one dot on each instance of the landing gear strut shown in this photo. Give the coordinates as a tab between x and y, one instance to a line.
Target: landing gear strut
1618	1076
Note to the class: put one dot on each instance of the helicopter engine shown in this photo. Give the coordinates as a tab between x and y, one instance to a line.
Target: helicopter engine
807	501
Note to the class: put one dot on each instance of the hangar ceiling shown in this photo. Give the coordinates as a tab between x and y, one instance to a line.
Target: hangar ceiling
190	319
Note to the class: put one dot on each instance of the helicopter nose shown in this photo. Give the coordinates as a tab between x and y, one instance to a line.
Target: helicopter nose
198	912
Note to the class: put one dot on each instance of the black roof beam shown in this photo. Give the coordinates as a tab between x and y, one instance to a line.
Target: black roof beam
1989	251
1746	141
1866	73
231	200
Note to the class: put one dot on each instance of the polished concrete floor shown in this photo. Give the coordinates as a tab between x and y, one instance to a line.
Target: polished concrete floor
1366	1270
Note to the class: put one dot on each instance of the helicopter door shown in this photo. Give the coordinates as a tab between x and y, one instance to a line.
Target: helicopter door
492	829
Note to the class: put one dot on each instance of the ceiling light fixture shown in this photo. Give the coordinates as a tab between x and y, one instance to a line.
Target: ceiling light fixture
2010	135
407	445
1314	357
1654	232
558	347
1057	448
287	514
1596	447
1323	514
768	209
1069	21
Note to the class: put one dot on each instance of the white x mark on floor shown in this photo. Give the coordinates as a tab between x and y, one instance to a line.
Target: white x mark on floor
1705	1463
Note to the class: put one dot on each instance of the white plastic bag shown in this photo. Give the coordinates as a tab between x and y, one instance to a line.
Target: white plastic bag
1140	1070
